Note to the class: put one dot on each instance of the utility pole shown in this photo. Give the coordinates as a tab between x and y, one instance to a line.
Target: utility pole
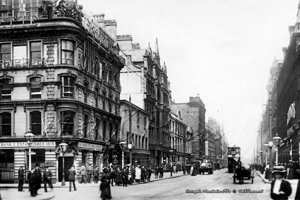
130	134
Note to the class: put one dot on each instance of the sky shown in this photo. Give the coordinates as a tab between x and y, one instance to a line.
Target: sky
219	49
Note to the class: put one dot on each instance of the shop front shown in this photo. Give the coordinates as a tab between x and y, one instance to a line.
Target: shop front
13	155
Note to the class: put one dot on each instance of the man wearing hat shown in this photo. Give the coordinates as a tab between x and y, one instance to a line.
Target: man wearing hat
280	188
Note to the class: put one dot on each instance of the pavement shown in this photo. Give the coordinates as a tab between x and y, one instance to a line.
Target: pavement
11	189
293	182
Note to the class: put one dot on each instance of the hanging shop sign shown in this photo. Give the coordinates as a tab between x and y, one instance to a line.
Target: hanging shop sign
92	147
12	145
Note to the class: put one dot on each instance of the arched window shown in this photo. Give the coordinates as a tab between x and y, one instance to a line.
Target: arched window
104	130
36	122
67	122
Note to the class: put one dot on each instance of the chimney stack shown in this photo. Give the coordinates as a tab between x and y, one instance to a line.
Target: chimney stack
125	42
99	18
111	28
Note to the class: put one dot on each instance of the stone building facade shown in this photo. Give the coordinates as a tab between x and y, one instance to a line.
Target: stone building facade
193	113
139	133
59	75
145	79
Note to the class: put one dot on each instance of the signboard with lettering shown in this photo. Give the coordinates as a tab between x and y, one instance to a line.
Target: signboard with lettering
11	145
92	147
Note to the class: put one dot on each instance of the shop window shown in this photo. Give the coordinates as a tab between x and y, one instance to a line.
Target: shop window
35	53
67	122
20	56
37	156
67	52
5	54
5	119
7	159
35	88
85	126
68	86
36	122
5	89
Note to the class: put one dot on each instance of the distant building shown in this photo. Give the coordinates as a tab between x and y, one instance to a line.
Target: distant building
139	133
178	134
145	79
193	114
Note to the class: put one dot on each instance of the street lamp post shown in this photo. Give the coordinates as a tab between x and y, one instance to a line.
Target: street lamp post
29	137
171	154
270	158
266	150
130	153
63	148
276	141
122	148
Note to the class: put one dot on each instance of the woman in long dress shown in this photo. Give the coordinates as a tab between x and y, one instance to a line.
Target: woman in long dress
105	185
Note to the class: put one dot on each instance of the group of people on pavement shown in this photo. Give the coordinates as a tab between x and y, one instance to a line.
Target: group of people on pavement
89	173
35	179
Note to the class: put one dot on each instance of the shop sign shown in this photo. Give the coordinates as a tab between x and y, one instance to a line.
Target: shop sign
11	145
93	147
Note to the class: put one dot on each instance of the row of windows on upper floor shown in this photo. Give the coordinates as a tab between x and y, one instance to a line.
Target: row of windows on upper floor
36	53
67	91
68	125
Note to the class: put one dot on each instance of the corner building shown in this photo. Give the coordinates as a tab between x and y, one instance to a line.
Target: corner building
59	76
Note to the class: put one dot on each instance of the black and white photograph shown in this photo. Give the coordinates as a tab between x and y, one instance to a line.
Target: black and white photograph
149	99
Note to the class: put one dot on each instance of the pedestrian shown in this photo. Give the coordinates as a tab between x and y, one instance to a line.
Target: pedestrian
174	168
47	179
83	174
89	173
21	179
125	173
156	172
112	175
149	173
105	186
96	174
280	189
38	177
192	170
118	174
132	174
71	176
161	172
143	174
138	174
32	182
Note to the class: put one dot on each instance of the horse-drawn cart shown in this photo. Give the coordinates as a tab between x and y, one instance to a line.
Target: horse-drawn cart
242	173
